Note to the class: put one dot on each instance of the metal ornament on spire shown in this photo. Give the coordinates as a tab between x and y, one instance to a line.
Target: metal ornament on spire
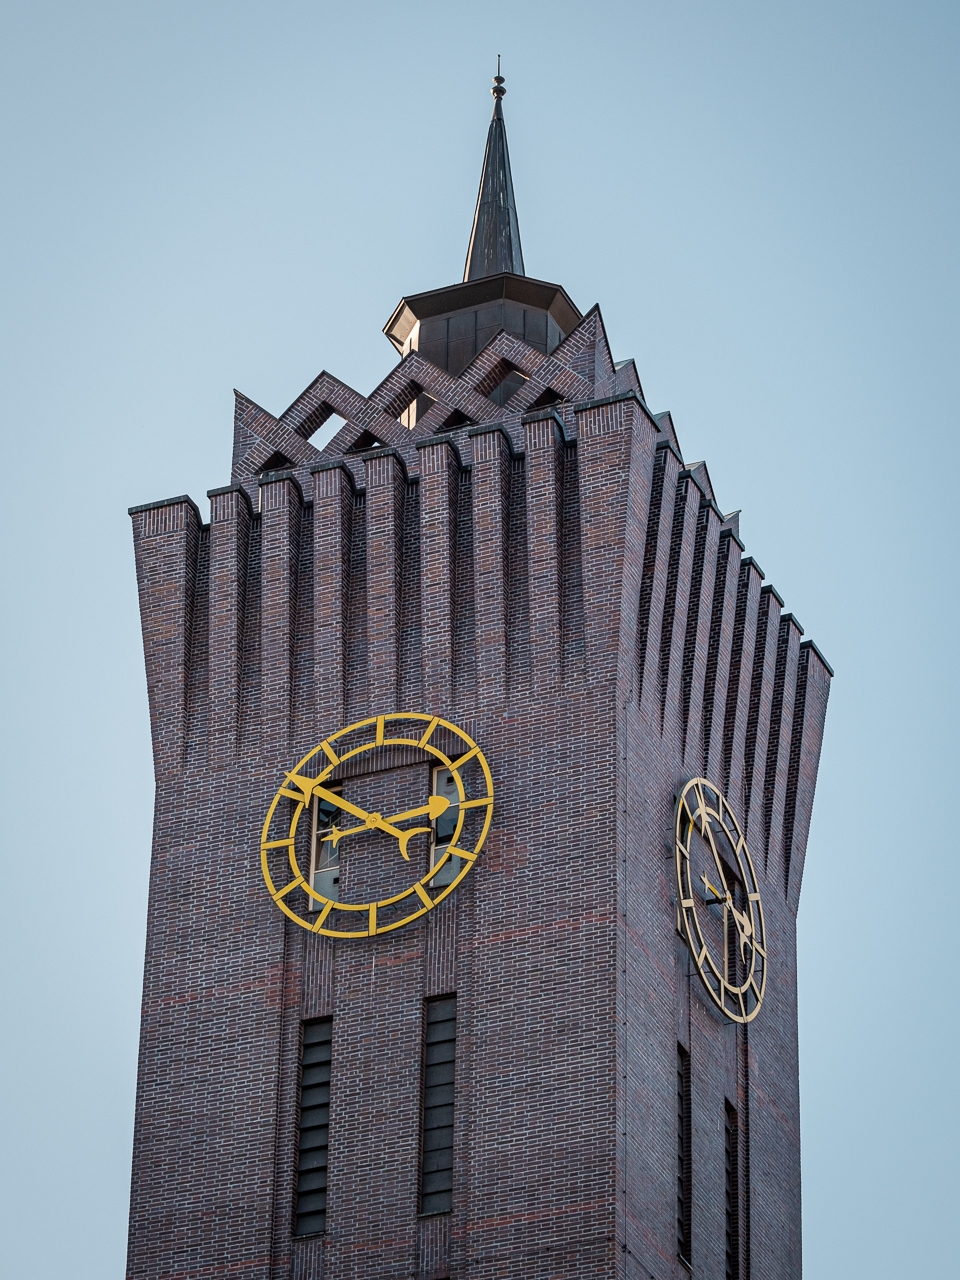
495	238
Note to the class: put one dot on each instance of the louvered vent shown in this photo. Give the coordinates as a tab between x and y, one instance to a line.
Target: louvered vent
314	1128
684	1156
436	1163
731	1133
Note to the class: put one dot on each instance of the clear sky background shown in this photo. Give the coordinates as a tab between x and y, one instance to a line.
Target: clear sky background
763	199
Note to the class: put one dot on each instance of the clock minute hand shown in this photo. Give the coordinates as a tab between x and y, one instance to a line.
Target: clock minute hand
744	928
345	805
437	806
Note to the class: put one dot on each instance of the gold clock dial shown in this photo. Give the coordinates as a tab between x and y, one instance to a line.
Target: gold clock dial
417	854
719	911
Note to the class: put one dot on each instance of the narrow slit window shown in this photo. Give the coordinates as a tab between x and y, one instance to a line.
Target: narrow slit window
311	1214
444	784
436	1157
684	1157
731	1178
325	856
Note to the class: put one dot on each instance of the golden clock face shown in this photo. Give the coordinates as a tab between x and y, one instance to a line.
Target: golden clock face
342	860
720	913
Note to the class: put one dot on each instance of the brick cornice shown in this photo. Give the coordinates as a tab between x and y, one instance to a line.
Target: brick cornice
166	502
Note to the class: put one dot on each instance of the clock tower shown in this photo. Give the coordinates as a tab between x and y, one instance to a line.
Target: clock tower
485	759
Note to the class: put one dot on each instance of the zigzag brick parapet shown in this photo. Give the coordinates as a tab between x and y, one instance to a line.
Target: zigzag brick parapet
550	572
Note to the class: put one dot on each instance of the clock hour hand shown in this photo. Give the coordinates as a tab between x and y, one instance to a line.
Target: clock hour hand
720	897
742	921
376	822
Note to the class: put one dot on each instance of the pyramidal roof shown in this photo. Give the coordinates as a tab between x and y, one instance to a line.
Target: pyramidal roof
495	238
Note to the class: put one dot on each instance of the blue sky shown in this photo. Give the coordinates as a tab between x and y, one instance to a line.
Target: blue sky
763	200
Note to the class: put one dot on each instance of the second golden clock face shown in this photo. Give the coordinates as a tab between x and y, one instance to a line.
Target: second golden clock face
353	855
720	913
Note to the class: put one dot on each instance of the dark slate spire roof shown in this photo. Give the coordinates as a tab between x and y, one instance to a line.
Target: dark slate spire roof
495	239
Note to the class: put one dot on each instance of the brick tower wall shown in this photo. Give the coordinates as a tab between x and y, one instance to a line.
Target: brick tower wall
557	584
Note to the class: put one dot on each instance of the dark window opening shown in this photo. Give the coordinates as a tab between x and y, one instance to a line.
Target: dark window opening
314	1128
546	397
365	440
277	462
436	1155
444	784
454	420
684	1157
737	955
325	862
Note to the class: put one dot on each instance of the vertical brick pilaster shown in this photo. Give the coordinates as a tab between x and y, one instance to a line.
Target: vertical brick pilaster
678	578
439	479
281	503
814	674
166	539
758	717
697	632
778	741
491	479
652	597
229	533
719	647
738	685
543	551
333	496
606	438
386	482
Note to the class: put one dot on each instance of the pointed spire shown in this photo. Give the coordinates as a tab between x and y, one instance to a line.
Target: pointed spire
495	238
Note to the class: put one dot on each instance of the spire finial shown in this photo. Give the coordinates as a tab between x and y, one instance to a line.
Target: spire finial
495	238
498	90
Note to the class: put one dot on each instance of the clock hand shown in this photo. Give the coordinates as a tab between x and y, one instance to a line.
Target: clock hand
744	928
437	805
720	897
339	801
374	822
405	839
